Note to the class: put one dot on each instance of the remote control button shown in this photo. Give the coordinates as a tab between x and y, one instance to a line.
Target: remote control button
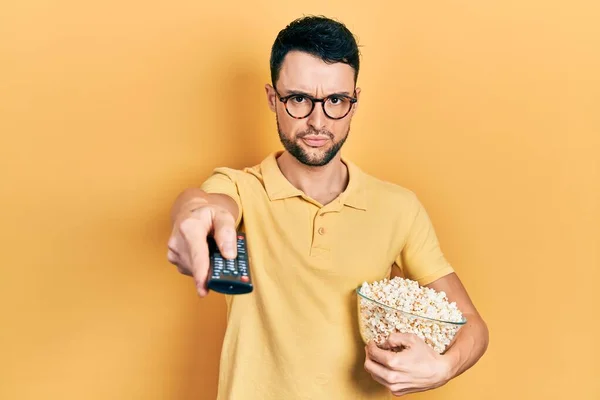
244	278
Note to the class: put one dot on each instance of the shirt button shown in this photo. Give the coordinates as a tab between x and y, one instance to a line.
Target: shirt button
321	231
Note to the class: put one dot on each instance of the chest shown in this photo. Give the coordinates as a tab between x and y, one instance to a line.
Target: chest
299	242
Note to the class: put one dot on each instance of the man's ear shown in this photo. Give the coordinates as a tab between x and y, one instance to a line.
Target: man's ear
357	90
271	97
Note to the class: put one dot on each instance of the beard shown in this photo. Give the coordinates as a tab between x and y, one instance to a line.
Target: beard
306	158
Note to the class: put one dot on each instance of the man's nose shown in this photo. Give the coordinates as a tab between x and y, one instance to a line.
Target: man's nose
317	119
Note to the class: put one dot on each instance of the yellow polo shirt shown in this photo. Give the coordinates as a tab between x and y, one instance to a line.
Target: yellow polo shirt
296	335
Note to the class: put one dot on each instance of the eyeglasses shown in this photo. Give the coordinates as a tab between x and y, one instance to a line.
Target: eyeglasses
300	105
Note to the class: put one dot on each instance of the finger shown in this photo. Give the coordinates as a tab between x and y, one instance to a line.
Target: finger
182	270
172	257
194	231
380	380
176	249
172	244
399	339
404	390
225	234
176	261
173	254
383	375
175	258
380	356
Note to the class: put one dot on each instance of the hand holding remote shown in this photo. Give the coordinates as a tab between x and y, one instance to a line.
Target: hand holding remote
188	246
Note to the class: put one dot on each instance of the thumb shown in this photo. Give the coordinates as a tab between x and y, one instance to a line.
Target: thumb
402	340
194	232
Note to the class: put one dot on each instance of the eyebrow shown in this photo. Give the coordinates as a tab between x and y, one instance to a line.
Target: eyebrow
303	93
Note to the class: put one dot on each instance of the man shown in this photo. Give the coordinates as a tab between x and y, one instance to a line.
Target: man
317	227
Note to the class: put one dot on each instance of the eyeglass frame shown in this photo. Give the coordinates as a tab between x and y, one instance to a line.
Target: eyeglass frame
314	100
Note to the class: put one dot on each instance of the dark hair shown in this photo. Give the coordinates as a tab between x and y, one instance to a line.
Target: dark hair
319	36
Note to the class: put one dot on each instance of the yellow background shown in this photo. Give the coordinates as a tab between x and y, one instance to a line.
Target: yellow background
489	111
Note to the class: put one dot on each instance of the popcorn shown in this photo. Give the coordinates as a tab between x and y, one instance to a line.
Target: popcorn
378	322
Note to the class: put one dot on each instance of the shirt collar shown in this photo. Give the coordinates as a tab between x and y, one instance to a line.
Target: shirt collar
278	187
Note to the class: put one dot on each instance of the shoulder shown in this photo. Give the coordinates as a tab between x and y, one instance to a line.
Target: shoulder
385	193
238	174
253	174
380	187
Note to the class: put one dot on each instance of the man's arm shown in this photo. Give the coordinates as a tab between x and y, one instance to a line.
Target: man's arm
417	367
195	215
472	339
192	198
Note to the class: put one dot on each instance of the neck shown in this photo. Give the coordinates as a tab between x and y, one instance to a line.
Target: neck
323	184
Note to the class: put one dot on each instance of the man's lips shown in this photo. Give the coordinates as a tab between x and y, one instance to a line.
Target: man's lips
315	141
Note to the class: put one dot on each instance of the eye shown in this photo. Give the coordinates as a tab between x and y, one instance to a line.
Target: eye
298	99
335	100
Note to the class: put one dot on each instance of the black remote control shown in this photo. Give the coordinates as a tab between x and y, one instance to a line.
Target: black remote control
229	276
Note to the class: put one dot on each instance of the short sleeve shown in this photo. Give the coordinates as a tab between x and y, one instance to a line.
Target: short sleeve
222	181
421	258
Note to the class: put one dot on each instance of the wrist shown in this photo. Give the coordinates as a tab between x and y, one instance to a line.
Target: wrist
193	205
449	363
187	209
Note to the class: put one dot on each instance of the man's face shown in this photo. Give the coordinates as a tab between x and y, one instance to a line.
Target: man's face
316	139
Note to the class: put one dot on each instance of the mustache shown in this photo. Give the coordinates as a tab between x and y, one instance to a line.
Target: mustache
314	132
